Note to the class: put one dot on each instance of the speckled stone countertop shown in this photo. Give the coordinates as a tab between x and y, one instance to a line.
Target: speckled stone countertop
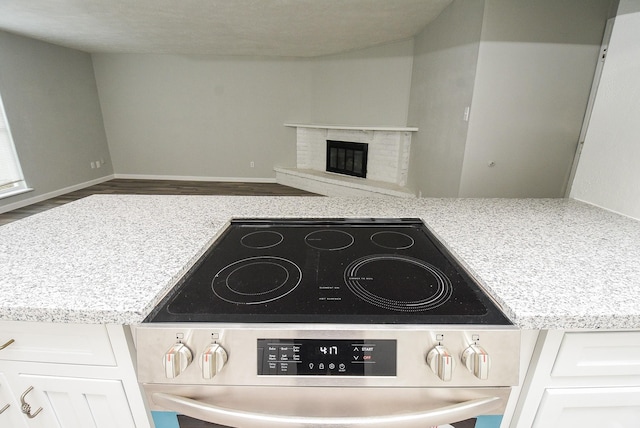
550	263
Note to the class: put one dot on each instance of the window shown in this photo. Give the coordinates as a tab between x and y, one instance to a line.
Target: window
11	179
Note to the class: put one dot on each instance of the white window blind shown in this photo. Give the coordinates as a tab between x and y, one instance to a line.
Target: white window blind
11	179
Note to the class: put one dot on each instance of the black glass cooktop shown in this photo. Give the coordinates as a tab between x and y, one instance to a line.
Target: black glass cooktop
328	271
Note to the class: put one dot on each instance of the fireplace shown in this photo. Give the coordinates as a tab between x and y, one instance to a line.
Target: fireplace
384	173
344	157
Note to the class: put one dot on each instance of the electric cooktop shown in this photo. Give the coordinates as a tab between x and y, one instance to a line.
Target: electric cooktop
328	271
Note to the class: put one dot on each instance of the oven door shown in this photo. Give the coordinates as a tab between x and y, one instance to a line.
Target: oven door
324	407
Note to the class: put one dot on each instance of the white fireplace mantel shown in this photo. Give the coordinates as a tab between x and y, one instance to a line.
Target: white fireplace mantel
387	165
354	128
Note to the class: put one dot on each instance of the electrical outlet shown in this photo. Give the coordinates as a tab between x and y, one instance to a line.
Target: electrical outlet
252	164
93	165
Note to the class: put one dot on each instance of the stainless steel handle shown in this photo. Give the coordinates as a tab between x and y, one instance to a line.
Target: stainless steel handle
3	409
223	416
26	407
6	344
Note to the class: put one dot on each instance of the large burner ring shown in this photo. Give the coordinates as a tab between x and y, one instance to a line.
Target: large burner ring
357	283
256	280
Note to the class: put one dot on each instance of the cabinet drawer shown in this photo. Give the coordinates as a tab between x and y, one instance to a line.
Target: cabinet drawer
598	354
589	408
56	343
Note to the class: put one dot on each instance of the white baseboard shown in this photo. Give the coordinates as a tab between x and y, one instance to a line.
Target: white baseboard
195	178
45	196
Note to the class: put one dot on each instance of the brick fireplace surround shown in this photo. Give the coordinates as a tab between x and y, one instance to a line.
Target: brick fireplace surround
387	165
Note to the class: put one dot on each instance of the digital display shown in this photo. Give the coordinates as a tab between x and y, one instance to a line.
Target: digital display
309	357
331	350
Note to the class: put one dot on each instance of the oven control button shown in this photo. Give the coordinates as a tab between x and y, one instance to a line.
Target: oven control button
212	359
176	360
476	359
441	362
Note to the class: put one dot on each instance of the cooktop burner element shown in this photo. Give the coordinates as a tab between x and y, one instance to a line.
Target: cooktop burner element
369	277
256	280
392	240
331	240
262	239
328	271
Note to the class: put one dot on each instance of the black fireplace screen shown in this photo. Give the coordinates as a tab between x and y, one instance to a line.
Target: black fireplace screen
346	157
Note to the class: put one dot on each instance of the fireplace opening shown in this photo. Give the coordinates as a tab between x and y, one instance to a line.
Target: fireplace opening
344	157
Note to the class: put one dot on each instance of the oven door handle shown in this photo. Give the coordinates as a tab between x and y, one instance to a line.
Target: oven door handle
220	415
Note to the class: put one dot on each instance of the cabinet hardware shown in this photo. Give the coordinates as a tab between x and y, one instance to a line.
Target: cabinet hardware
3	409
26	407
6	344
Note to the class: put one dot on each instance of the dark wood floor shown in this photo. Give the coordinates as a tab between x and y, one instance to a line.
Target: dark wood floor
156	187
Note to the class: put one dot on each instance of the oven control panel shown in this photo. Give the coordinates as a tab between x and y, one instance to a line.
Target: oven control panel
328	355
310	357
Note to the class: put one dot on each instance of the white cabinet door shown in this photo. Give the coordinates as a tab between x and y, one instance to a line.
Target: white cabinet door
82	376
75	402
10	416
589	408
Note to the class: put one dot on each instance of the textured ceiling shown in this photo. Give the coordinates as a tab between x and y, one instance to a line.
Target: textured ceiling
219	27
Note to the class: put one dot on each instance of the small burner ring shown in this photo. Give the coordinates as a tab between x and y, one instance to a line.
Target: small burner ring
262	239
329	240
392	240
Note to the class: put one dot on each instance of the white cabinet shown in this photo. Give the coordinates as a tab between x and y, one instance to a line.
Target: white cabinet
81	376
69	402
582	379
601	355
10	407
56	343
589	407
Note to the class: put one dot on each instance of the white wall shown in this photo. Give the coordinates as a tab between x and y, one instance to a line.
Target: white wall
444	66
365	87
51	102
209	117
534	72
199	116
608	171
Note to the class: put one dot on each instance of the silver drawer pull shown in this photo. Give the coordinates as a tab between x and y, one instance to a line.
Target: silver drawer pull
225	416
3	409
26	407
7	344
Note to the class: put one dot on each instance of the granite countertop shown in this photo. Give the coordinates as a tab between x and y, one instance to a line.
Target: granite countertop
550	263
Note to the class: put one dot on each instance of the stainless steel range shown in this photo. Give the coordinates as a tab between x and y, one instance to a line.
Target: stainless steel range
328	323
